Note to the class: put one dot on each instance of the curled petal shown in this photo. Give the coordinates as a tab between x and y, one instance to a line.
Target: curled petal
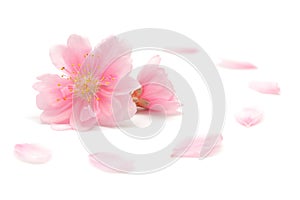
184	149
157	92
104	160
265	87
152	73
32	153
230	64
249	117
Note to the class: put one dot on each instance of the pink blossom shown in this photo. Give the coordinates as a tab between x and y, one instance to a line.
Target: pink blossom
157	92
94	87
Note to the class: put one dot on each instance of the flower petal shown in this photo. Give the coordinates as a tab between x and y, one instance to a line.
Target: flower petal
152	73
184	149
32	153
61	127
108	59
83	116
70	58
155	60
265	87
231	64
249	117
186	50
103	160
126	85
112	110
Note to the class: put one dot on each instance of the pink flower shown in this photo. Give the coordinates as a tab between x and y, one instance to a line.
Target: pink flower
94	87
157	92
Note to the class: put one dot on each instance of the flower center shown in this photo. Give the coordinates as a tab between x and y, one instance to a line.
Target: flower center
86	86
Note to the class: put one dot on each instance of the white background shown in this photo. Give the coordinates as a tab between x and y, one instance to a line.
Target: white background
256	163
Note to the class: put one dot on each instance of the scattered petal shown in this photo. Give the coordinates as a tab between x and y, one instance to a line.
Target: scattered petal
265	87
194	150
184	50
230	64
32	153
122	165
61	127
249	117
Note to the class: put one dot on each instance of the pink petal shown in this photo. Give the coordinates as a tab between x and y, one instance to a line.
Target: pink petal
126	85
121	164
230	64
54	98
70	57
183	149
61	127
166	107
152	73
57	116
83	116
265	87
157	92
184	50
112	110
105	61
249	117
32	153
155	60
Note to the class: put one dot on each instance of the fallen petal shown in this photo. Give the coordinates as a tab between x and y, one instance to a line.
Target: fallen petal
32	153
249	117
121	165
194	150
61	127
265	87
231	64
185	50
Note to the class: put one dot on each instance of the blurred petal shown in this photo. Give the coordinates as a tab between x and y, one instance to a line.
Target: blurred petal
61	127
265	87
32	153
184	50
121	165
155	60
249	117
183	149
230	64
